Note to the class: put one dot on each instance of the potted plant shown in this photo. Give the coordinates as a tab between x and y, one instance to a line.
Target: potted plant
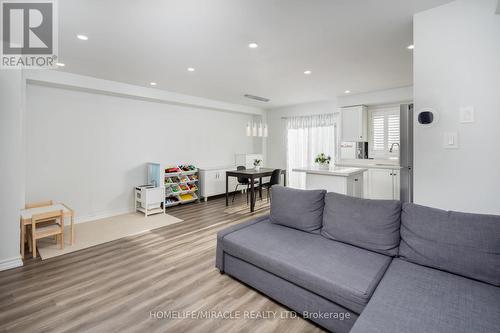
257	164
323	161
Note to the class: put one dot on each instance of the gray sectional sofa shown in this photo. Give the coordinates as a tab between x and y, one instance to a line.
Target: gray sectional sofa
357	265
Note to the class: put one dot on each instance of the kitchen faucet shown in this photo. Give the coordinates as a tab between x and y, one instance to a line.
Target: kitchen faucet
392	146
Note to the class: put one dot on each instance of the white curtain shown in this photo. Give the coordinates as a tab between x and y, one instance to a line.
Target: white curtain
307	137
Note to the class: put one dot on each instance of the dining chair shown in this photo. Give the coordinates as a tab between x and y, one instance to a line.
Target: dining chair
242	181
275	180
40	204
47	230
37	205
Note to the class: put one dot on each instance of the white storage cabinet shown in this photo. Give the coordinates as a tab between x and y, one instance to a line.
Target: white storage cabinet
213	181
149	200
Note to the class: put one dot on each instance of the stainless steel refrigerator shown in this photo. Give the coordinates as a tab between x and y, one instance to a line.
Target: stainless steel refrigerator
406	152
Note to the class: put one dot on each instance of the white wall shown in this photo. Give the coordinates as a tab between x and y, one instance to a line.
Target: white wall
89	149
457	63
11	166
276	142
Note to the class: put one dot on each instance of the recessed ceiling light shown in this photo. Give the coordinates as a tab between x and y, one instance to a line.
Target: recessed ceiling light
82	37
190	69
411	47
153	83
347	91
60	64
253	45
307	72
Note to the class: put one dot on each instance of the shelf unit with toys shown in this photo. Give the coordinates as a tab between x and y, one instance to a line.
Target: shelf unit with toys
181	182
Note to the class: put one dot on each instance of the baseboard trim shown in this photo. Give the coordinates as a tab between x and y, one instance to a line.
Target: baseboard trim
10	263
102	215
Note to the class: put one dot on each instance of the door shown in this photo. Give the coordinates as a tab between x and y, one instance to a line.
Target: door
380	184
358	186
396	174
210	182
214	182
355	186
354	124
220	182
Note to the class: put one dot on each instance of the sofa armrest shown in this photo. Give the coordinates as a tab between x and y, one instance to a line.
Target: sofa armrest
219	258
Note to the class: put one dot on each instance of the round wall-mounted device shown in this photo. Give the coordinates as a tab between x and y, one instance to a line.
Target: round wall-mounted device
427	117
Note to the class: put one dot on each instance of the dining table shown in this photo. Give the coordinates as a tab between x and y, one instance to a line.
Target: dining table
252	175
27	214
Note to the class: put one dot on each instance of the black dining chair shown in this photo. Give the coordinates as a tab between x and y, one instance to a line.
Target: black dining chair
242	181
275	180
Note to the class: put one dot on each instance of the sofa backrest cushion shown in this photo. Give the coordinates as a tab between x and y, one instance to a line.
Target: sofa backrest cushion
299	209
370	224
460	243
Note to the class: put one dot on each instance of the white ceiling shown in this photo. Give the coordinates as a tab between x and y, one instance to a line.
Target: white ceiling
358	45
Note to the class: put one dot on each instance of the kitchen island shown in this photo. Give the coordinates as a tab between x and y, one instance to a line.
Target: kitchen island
343	180
385	179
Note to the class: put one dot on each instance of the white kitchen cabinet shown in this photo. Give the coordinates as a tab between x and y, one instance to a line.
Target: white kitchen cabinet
213	181
351	185
383	184
355	186
347	181
396	175
354	121
247	160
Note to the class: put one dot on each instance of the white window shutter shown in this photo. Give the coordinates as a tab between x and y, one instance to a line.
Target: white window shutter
378	133
392	130
384	132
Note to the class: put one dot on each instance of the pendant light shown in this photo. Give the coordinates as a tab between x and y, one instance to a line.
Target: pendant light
257	130
249	129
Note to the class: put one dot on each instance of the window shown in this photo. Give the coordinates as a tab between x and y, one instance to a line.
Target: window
306	138
384	132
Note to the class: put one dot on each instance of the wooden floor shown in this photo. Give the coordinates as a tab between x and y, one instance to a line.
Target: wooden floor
115	287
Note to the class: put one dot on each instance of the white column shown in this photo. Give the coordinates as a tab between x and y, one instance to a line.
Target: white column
12	184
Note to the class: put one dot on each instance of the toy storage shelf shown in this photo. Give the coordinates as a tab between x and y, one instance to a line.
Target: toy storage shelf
181	186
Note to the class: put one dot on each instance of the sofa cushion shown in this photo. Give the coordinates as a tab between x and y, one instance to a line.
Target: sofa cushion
341	273
461	243
219	254
414	299
370	224
299	209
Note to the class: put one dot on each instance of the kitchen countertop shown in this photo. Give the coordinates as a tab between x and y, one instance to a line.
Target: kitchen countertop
333	171
369	164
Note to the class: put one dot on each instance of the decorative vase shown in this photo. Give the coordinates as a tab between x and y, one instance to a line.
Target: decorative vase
323	166
257	168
